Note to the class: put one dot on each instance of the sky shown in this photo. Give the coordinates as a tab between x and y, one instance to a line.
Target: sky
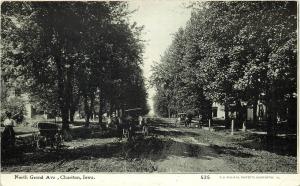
161	19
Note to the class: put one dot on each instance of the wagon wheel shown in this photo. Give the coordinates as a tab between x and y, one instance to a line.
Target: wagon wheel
58	141
41	142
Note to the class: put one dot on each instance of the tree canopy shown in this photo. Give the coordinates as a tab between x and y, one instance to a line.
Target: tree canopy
63	53
231	52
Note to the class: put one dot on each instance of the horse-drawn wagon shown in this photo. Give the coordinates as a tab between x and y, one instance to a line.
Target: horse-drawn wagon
49	135
134	124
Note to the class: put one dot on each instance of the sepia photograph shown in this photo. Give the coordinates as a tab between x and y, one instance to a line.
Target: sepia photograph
193	87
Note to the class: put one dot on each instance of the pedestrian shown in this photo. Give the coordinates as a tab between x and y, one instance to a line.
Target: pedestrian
8	136
108	122
114	120
200	120
188	120
145	127
129	126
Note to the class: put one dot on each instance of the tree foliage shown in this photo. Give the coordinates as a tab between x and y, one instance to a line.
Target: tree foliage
62	53
232	52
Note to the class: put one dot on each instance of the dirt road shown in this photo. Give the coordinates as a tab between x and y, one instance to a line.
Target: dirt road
191	155
166	149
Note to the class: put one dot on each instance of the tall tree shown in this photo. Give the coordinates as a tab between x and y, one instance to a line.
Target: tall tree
64	51
234	52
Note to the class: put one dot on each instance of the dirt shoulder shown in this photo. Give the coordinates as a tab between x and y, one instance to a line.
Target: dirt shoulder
245	152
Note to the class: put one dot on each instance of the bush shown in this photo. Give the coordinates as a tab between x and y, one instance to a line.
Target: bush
16	106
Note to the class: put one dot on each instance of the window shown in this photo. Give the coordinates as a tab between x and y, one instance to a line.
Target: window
215	112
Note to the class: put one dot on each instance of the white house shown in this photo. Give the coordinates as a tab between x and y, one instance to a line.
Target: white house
218	111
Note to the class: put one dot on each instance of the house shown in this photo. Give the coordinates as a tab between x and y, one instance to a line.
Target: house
260	111
218	111
10	93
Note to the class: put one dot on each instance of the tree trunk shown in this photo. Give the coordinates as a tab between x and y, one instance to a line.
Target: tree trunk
92	98
227	119
112	107
68	97
71	95
101	105
86	110
271	117
270	124
61	89
101	112
65	121
72	113
292	114
239	114
255	118
62	94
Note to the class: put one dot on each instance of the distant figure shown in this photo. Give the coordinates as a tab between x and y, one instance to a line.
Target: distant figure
114	120
278	119
108	122
188	120
120	126
8	136
200	120
146	121
177	121
140	120
129	126
120	120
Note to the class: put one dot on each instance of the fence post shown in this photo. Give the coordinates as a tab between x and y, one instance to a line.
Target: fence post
232	126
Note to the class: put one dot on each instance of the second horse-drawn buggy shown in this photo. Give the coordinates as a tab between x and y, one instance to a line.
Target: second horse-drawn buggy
49	135
134	124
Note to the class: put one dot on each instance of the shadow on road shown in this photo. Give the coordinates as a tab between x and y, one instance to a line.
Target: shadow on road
157	147
282	144
150	148
286	145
